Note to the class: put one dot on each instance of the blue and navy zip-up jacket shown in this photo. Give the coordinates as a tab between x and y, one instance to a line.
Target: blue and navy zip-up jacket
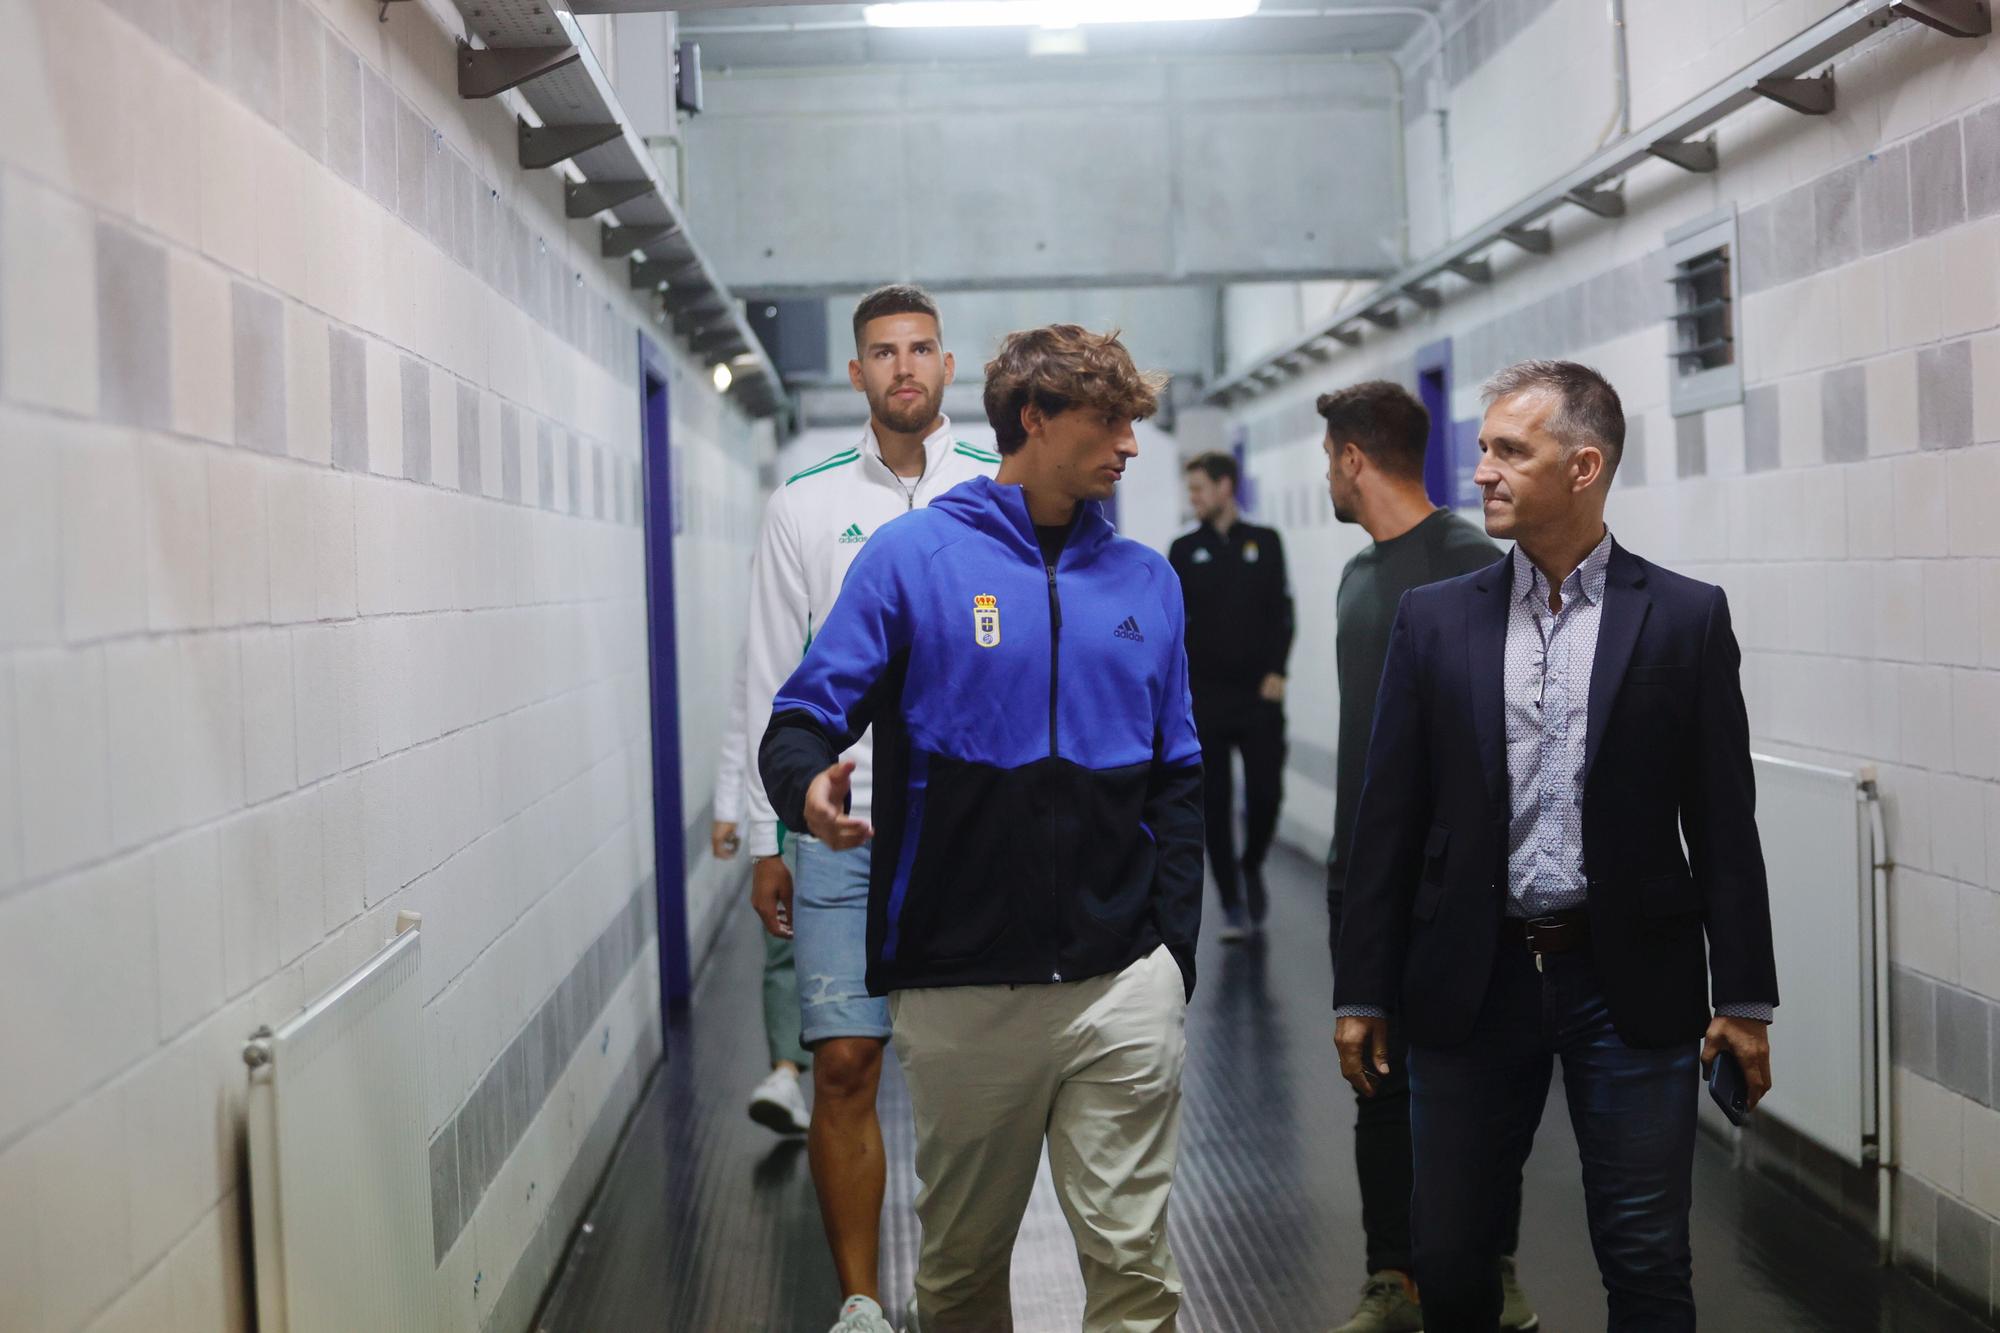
1037	802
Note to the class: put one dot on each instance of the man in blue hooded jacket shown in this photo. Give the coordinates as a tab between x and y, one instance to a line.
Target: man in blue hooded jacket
1036	883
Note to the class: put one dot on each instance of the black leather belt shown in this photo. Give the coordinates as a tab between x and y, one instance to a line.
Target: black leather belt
1559	932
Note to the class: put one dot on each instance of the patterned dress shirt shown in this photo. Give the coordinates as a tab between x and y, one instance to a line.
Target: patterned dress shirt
1546	692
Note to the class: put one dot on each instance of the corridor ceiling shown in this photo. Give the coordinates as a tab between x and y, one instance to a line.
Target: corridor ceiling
836	34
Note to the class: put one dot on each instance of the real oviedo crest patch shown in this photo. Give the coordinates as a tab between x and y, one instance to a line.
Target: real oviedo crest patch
986	620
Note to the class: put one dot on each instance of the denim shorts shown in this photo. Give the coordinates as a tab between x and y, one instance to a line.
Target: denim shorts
830	948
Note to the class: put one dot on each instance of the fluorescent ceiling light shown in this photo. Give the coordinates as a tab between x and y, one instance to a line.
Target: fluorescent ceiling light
1048	13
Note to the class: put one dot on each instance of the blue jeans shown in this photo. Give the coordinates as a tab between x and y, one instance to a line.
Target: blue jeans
1473	1113
830	945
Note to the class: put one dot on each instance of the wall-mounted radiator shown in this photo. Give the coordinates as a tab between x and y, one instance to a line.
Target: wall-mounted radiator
1828	862
339	1173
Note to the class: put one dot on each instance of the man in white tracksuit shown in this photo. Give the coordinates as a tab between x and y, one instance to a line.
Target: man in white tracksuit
815	526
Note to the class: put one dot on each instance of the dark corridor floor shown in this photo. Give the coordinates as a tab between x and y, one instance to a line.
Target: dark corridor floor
708	1222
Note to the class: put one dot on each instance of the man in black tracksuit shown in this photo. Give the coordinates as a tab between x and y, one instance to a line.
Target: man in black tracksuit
1239	634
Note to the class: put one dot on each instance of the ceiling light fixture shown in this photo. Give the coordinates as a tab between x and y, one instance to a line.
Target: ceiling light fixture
1048	13
723	376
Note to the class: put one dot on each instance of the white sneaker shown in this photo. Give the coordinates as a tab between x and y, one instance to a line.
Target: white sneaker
861	1315
778	1105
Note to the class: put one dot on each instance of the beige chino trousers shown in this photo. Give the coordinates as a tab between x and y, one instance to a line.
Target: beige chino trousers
1092	1068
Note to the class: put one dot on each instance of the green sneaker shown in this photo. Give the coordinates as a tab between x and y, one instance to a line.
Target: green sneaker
1386	1306
1516	1315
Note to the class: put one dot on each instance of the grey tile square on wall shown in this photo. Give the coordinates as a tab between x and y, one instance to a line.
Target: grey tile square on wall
1944	396
1913	1008
1964	1251
1963	1044
470	451
472	1169
1691	445
347	373
510	453
1982	161
133	379
545	464
1836	219
254	56
304	77
1937	180
1793	220
1761	452
1883	198
259	340
413	154
203	29
378	118
344	120
416	419
446	1217
1844	412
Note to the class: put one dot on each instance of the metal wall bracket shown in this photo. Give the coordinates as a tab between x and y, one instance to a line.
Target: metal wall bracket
1687	154
1345	337
487	71
1808	97
616	241
1954	18
658	273
1426	297
1382	317
1472	270
1595	183
546	145
592	197
1606	203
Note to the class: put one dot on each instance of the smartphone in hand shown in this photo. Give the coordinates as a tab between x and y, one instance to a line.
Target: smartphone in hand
1728	1087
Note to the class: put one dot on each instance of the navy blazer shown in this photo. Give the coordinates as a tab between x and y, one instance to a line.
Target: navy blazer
1666	757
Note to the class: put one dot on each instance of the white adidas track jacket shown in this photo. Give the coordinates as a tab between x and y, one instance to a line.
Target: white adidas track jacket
814	526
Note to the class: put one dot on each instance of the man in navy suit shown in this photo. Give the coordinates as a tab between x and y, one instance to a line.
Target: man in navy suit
1548	731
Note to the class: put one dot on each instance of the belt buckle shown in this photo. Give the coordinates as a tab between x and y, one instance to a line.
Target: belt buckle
1535	924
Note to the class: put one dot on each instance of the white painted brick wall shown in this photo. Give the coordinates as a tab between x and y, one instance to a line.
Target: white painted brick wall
252	702
1867	593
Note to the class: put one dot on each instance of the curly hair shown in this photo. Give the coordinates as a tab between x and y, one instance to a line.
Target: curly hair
1060	367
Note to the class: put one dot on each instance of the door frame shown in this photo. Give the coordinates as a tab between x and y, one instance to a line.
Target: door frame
662	656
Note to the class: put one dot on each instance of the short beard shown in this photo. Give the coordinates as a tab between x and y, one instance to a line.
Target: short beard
906	420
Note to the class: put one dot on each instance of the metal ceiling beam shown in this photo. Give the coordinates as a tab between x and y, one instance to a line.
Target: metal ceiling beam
1595	184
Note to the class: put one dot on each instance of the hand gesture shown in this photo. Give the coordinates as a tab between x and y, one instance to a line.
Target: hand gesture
826	809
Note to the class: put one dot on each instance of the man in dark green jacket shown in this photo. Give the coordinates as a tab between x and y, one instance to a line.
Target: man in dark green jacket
1375	442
